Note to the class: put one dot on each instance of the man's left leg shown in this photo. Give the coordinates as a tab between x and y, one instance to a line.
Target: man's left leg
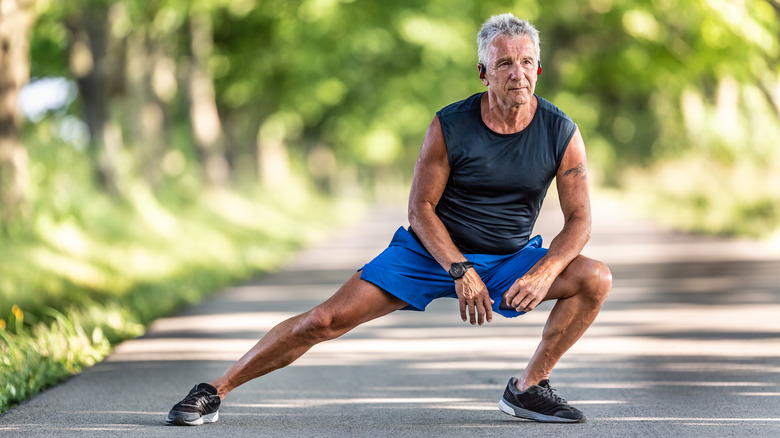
580	290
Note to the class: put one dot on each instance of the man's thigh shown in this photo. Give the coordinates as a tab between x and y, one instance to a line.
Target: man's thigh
358	301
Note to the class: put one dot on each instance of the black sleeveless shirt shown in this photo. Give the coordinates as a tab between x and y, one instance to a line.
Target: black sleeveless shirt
497	182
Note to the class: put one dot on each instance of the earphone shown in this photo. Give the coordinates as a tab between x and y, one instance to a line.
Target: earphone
482	70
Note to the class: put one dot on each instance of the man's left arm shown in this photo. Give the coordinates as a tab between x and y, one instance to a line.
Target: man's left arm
574	194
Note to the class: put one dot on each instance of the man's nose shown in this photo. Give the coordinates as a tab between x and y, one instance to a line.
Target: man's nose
516	72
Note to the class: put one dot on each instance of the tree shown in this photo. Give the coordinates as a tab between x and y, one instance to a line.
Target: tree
206	124
16	20
96	58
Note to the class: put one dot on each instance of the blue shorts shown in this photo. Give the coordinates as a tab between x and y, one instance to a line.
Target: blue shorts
406	269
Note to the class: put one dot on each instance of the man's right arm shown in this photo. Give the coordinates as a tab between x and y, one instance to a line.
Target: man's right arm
431	173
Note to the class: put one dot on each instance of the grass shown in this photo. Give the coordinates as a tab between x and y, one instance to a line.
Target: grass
36	358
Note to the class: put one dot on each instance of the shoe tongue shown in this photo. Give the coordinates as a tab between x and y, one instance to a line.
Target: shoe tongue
205	386
545	383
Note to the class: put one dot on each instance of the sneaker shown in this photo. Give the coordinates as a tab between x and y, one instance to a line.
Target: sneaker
200	406
538	403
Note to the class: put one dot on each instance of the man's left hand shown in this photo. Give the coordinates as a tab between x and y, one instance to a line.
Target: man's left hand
527	292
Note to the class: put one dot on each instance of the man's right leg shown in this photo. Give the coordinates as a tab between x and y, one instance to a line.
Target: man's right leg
356	302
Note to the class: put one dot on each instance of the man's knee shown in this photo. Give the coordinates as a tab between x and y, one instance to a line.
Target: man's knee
316	326
590	279
597	280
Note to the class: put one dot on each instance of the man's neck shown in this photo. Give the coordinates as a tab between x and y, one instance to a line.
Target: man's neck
506	119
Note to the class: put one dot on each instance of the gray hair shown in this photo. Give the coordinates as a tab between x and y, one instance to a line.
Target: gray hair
504	24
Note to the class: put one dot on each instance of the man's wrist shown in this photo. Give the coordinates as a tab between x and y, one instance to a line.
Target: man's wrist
458	269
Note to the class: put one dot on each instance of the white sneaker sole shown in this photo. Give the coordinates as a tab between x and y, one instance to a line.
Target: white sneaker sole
209	418
531	415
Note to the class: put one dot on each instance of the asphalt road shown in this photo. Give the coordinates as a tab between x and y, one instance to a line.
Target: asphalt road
688	345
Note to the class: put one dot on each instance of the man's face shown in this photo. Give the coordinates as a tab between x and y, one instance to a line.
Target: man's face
512	69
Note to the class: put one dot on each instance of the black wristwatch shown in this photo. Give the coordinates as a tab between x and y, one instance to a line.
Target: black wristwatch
458	269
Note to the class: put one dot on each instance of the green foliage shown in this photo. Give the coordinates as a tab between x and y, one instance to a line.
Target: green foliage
361	80
676	100
364	79
35	358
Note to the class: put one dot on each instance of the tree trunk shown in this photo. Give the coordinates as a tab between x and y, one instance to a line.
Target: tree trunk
94	59
16	20
206	125
146	111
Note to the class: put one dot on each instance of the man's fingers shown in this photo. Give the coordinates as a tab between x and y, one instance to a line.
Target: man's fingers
509	296
472	313
532	305
518	302
488	310
526	304
482	312
475	304
518	299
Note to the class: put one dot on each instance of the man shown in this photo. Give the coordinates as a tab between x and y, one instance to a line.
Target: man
483	170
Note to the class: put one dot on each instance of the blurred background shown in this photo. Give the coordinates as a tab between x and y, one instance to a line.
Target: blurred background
152	151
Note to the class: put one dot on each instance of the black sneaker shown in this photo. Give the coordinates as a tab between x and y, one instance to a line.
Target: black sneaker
200	406
538	403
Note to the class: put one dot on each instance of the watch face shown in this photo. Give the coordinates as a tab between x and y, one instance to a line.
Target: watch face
457	270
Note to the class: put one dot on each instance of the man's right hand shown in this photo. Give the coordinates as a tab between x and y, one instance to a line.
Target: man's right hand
473	297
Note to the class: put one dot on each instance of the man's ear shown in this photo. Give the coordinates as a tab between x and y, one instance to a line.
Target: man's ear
482	73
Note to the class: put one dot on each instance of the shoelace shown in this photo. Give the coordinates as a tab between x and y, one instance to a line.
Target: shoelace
193	397
549	392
